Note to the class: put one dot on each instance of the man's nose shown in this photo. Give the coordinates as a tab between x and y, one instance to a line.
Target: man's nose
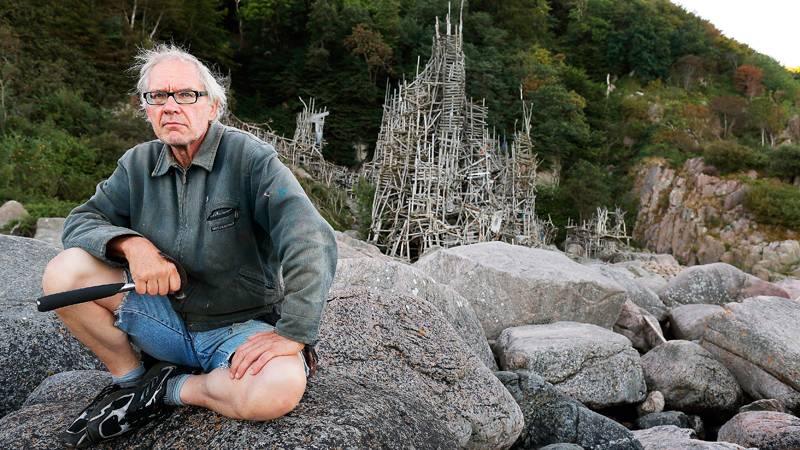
171	105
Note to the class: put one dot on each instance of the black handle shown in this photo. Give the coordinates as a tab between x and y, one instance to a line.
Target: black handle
55	301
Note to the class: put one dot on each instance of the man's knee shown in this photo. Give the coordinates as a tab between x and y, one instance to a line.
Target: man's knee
75	268
277	394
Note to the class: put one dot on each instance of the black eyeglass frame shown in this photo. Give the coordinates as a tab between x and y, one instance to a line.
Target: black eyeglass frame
197	95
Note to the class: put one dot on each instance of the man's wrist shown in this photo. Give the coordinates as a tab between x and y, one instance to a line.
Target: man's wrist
121	246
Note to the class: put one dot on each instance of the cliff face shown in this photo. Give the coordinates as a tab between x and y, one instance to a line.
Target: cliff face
700	219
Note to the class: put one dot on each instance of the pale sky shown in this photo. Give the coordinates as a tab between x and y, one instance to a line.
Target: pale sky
767	26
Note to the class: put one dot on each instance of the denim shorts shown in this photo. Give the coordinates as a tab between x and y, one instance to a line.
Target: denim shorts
155	328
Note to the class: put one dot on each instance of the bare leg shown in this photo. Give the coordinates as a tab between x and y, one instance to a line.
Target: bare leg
270	394
92	323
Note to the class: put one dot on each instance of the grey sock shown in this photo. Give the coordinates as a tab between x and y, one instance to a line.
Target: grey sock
174	385
131	376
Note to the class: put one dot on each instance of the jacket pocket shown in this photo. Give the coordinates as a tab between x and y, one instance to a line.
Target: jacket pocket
255	282
222	215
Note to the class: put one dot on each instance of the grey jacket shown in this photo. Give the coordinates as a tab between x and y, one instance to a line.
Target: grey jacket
237	220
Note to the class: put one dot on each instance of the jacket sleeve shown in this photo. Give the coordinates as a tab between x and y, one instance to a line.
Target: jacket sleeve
105	216
304	242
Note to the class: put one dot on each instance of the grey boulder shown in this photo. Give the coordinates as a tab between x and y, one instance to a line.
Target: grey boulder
393	374
349	247
49	229
677	418
639	294
690	378
766	404
396	278
757	340
552	417
639	326
715	284
670	437
68	386
33	345
10	211
510	285
595	366
688	322
767	430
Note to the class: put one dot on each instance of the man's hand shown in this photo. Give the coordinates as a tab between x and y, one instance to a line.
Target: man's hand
258	350
152	273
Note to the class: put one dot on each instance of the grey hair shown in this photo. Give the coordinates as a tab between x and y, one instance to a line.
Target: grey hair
146	59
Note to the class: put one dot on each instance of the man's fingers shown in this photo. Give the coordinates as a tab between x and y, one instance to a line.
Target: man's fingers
260	363
152	287
141	287
163	286
238	356
174	280
249	358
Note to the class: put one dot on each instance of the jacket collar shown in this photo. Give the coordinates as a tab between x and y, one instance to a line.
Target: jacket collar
204	157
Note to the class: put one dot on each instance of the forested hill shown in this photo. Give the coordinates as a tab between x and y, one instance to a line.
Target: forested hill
680	88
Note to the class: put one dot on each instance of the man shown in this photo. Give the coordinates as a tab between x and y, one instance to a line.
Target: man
218	202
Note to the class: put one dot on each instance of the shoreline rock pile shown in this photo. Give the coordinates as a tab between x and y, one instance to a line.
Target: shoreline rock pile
483	346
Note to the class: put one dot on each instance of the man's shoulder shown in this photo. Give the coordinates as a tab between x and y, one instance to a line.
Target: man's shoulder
251	144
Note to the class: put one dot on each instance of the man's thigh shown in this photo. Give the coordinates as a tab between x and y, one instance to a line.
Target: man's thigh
216	347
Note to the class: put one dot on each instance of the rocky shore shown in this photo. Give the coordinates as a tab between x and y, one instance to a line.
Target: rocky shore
487	346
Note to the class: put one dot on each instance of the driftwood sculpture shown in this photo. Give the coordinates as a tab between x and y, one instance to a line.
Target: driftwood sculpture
440	178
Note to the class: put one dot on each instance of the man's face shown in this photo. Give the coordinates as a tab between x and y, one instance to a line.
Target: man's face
179	125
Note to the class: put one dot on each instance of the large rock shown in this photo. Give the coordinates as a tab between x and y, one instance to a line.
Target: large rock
512	285
349	247
767	404
33	345
690	378
638	325
552	417
640	295
68	386
715	284
792	286
670	437
677	418
595	366
688	322
766	430
393	374
396	278
11	210
49	229
757	340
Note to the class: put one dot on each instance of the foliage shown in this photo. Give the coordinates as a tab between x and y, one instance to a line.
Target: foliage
365	194
611	82
46	208
774	203
784	162
370	45
747	80
330	202
730	156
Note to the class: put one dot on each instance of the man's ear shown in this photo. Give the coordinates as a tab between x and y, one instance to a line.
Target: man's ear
213	111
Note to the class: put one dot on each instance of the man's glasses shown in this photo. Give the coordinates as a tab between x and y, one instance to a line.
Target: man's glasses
186	97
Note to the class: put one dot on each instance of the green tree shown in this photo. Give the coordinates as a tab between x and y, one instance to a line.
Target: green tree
559	129
768	117
731	109
784	162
